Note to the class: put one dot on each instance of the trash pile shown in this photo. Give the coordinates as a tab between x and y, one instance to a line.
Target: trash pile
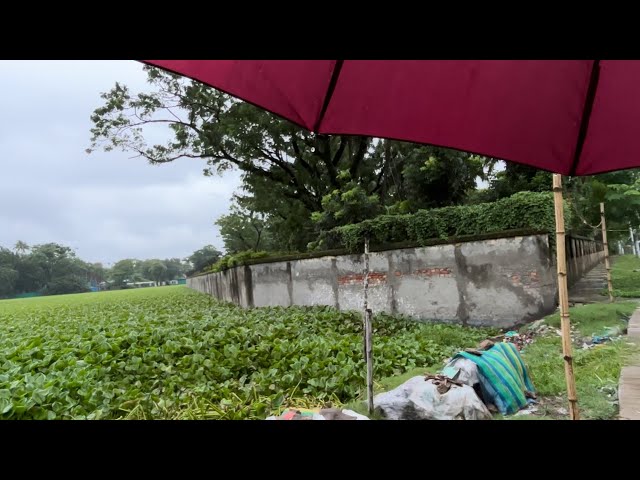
607	335
474	383
540	328
419	399
442	382
520	340
318	414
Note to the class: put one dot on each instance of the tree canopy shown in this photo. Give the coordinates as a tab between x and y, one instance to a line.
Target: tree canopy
204	257
295	183
48	268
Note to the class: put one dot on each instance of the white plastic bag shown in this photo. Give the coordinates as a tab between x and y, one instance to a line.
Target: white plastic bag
417	399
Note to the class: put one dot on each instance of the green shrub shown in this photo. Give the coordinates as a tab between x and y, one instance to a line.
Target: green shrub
65	285
524	210
240	258
524	213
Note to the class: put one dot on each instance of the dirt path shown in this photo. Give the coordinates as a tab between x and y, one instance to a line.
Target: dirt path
630	377
589	288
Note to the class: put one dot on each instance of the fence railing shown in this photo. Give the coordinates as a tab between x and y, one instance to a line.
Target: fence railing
583	254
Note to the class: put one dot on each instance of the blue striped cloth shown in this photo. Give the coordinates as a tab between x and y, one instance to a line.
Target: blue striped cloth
504	377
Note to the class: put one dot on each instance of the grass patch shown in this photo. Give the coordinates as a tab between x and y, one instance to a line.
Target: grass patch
626	281
596	317
597	372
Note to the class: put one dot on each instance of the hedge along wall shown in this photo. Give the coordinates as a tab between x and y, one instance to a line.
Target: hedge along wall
525	213
524	210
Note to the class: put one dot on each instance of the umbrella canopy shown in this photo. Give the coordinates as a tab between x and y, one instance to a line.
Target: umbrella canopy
574	117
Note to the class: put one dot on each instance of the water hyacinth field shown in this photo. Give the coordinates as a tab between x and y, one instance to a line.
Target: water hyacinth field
172	353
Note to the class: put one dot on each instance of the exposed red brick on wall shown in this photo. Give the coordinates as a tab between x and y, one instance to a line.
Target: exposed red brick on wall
375	278
434	272
428	272
525	280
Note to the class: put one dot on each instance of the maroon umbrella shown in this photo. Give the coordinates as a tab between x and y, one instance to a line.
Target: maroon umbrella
574	117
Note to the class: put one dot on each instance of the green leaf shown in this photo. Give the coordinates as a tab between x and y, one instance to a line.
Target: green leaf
5	406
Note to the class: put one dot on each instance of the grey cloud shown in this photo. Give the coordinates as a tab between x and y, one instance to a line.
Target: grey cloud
105	205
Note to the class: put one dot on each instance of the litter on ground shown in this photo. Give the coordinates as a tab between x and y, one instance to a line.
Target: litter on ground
318	414
474	382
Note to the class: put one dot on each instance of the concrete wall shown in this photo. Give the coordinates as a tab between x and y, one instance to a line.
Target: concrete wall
500	282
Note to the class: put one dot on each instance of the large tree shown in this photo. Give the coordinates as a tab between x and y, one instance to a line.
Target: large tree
21	247
176	268
48	268
124	271
620	192
96	272
513	178
206	256
244	229
8	272
288	173
57	262
154	270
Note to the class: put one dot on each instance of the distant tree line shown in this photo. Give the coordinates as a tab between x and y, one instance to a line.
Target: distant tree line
134	270
52	269
47	269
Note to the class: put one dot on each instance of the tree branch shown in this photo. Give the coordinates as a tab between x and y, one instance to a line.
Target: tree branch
340	151
325	156
144	122
298	154
360	152
259	235
142	153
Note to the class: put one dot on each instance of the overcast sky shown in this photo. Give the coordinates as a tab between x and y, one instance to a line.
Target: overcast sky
105	205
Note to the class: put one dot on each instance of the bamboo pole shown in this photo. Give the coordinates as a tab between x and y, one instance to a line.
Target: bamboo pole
607	264
563	296
368	330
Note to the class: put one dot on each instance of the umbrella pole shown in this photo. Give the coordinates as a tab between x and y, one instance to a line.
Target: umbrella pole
607	265
563	297
368	331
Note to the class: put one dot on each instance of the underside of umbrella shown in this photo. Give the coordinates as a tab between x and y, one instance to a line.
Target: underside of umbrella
574	117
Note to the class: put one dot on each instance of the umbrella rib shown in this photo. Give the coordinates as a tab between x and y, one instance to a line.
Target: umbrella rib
327	98
586	114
